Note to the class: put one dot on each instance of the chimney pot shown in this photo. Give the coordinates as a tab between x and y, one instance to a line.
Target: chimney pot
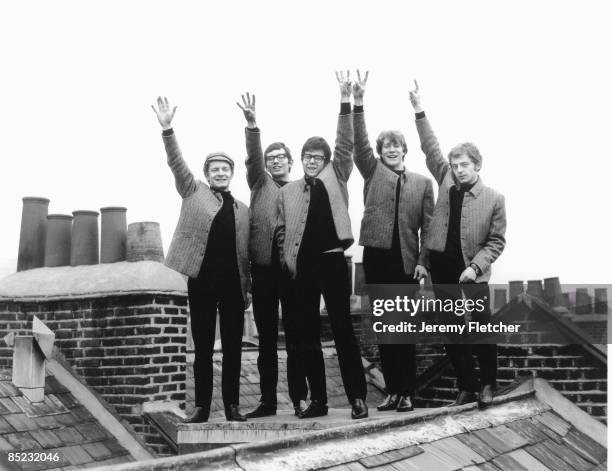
84	244
33	234
57	246
144	242
114	234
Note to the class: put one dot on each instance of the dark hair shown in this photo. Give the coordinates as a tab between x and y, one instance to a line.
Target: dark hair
279	146
468	149
317	143
393	136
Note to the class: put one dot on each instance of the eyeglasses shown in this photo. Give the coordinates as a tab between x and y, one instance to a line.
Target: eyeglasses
279	157
317	158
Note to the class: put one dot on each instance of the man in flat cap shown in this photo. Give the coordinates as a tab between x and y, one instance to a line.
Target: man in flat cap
210	246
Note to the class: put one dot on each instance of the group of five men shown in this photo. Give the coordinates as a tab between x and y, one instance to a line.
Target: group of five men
292	240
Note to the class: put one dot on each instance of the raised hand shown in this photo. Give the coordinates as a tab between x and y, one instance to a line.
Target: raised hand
248	108
359	87
415	98
345	85
164	112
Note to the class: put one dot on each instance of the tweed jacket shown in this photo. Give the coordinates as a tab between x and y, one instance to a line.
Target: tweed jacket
264	193
294	199
483	214
199	207
415	206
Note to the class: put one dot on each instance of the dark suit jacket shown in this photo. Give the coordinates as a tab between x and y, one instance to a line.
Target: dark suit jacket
483	215
199	207
415	205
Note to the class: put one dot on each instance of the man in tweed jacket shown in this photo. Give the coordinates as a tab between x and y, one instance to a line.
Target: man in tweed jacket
313	231
267	173
466	235
398	204
210	246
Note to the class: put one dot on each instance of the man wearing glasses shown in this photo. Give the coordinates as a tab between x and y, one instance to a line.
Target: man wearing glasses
265	177
313	231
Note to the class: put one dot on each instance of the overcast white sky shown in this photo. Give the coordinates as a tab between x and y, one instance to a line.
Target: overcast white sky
528	82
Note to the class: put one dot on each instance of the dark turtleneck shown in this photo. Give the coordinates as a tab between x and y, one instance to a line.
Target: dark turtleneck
453	236
220	256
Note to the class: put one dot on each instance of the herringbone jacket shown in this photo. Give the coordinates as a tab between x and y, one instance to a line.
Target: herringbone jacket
294	199
264	193
415	205
198	209
483	215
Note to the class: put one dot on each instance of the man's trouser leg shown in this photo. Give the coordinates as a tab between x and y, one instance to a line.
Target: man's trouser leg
231	318
485	352
333	277
307	321
296	379
445	272
265	310
203	315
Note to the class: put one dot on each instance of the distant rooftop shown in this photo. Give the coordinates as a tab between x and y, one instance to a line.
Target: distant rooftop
84	280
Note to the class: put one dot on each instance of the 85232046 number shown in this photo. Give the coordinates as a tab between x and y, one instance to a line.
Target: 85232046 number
38	456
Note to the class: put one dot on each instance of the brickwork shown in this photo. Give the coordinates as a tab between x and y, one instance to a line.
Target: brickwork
130	348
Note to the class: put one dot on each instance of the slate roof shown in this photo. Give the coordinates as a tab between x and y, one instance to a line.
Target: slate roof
59	425
532	428
249	383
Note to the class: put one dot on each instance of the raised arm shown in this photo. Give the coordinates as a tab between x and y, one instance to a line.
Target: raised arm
436	163
364	155
183	178
255	165
343	149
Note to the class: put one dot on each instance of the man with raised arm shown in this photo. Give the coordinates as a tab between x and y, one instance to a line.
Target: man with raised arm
210	246
313	231
398	204
267	173
465	237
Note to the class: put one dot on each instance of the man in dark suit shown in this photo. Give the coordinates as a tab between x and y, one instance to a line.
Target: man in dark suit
267	173
210	246
466	235
398	204
313	231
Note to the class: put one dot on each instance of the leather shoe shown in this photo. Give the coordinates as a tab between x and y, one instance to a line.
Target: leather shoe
390	403
464	397
404	404
200	414
297	407
262	410
486	395
359	409
315	409
232	414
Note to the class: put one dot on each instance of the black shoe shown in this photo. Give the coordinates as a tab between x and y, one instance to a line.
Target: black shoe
315	409
262	410
359	409
486	395
404	404
200	414
390	403
297	409
232	414
464	397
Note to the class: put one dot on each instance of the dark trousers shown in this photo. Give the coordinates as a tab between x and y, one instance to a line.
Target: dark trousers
445	270
326	274
270	287
206	294
397	361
